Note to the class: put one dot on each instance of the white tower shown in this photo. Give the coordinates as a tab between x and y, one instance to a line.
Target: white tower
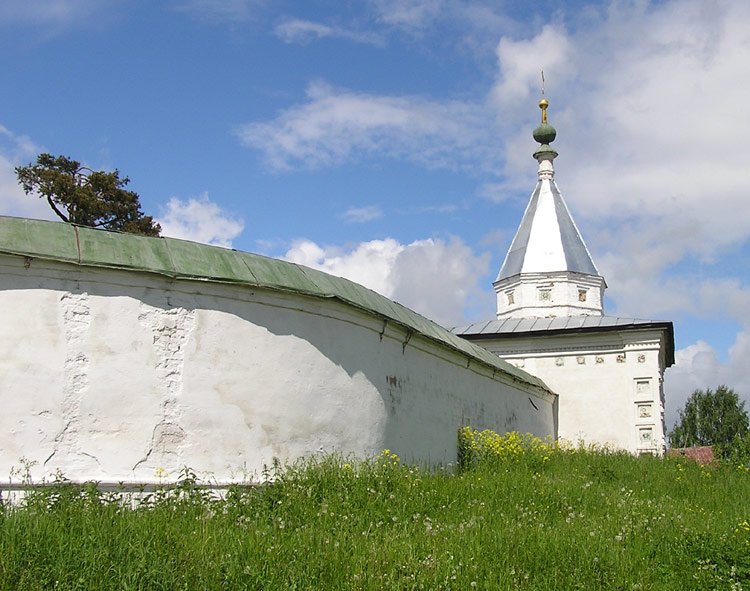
606	370
548	270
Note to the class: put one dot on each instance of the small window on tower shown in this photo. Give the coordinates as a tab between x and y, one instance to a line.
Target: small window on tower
511	298
582	295
545	295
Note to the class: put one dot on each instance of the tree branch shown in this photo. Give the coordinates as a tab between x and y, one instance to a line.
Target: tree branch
57	211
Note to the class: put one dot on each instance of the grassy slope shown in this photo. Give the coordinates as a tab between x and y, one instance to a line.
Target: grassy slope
567	520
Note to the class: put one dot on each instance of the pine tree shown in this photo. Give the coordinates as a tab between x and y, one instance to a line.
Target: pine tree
80	195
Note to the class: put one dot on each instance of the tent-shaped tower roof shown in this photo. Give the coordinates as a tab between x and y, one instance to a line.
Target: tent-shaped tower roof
548	251
547	239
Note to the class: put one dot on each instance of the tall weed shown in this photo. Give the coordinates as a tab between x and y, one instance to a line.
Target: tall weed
535	515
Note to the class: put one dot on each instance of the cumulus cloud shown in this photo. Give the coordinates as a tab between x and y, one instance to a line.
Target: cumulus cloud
437	278
367	263
335	125
648	161
644	129
18	150
651	180
304	31
521	63
362	214
199	219
651	163
698	367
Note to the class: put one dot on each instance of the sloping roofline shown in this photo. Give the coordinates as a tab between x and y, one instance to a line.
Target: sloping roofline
182	259
575	254
509	328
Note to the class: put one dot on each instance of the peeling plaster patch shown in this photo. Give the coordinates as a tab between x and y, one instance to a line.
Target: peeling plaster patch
77	319
76	315
171	330
76	310
166	442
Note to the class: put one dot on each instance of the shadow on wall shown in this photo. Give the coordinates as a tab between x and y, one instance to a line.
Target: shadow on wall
220	374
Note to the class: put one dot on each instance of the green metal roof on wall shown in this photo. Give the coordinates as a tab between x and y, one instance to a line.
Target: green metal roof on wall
181	259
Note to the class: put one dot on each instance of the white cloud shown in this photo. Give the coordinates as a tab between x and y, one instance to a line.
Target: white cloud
303	31
440	279
18	150
434	277
336	125
647	100
649	161
367	263
697	367
648	145
362	214
647	131
200	220
521	63
219	10
462	23
49	12
437	209
409	14
197	219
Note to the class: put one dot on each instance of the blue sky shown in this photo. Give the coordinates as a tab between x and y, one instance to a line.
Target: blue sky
390	141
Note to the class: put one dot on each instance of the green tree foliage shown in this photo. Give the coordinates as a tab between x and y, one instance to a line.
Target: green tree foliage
87	197
711	418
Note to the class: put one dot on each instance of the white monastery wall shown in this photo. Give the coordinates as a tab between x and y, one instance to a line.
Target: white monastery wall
609	384
116	375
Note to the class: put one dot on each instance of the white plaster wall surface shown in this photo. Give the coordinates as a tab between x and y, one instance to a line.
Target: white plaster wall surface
115	375
602	381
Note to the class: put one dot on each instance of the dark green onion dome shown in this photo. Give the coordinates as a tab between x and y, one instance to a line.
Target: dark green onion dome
545	133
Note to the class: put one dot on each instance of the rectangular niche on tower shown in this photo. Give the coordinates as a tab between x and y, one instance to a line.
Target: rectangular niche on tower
645	437
642	389
582	294
545	295
644	412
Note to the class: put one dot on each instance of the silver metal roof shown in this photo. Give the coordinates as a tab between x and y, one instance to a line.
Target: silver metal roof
547	239
507	326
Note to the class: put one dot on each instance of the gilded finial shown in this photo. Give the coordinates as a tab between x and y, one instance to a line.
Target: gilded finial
544	133
543	104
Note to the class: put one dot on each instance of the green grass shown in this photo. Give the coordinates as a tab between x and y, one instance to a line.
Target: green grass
576	520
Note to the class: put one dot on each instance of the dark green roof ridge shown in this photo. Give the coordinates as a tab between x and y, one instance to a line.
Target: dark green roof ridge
182	259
